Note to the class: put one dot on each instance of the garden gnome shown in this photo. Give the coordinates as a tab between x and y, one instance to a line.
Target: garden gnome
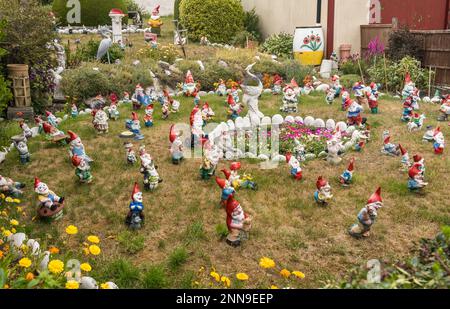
234	109
294	164
359	146
22	148
334	150
189	86
221	88
416	122
407	110
74	111
10	187
25	129
416	179
367	216
196	121
406	164
100	121
346	100
235	92
336	85
290	98
238	222
83	170
52	119
126	98
354	114
77	147
131	155
277	82
360	93
323	193
113	112
155	22
210	160
207	113
227	190
149	170
299	151
134	125
165	110
50	204
429	134
149	95
373	98
53	133
237	181
346	178
439	142
389	148
419	162
307	85
148	118
444	109
176	148
40	123
138	97
135	217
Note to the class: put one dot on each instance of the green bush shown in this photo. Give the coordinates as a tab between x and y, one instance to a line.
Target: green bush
5	94
293	69
396	72
176	9
351	66
251	24
219	20
403	43
347	81
279	44
93	13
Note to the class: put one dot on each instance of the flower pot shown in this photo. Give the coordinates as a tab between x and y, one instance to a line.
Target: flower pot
308	45
344	51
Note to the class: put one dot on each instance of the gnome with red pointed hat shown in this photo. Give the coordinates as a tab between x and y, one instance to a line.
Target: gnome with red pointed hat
149	170
238	223
52	119
277	82
155	22
323	193
373	98
444	109
246	181
416	181
134	125
346	178
210	160
50	204
100	121
235	92
389	148
74	111
53	134
346	100
83	170
294	164
367	216
290	98
439	141
125	98
419	162
227	189
25	129
406	163
148	118
207	113
131	154
189	86
138	97
135	217
113	112
176	148
234	109
77	147
10	187
416	123
221	89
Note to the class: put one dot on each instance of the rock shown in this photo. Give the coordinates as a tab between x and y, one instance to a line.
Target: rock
263	157
35	131
201	65
82	113
136	63
202	93
65	117
310	156
2	119
426	99
223	64
175	70
279	158
277	119
330	124
178	60
309	121
88	110
88	283
396	97
319	123
164	65
323	87
289	119
211	93
168	72
250	155
267	91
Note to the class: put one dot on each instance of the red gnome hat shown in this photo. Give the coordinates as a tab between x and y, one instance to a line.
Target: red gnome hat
47	113
351	165
36	182
72	135
277	80
189	78
134	116
387	139
294	83
407	78
321	182
172	134
221	182
135	190
376	197
235	166
403	150
206	105
417	158
47	127
230	100
288	157
149	107
227	173
413	171
437	131
76	160
156	10
194	111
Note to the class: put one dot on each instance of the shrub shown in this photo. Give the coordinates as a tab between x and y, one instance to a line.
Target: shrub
177	258
219	20
403	43
85	82
279	44
251	24
5	94
293	69
155	278
240	40
88	52
167	53
93	13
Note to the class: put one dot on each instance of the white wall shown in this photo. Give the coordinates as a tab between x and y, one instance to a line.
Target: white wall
166	6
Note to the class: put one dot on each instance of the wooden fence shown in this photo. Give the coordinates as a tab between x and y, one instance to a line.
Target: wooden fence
436	48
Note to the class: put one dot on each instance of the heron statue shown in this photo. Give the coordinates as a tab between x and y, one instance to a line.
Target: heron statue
251	95
104	46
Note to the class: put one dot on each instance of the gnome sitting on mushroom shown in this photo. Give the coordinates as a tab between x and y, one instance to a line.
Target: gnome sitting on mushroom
367	216
238	223
83	170
176	148
135	217
77	147
346	177
50	204
323	193
53	134
10	187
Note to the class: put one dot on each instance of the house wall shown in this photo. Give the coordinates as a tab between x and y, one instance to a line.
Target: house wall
166	6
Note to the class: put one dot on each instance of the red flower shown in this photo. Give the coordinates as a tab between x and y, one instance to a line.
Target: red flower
312	37
318	39
306	40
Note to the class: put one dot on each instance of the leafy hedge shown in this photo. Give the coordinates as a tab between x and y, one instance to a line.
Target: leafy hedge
219	20
279	45
93	13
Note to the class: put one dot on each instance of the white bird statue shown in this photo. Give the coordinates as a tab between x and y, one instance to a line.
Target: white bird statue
104	46
251	95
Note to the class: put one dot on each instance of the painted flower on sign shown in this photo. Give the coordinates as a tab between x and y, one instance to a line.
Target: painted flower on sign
312	42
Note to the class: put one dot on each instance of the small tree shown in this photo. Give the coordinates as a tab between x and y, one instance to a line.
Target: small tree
403	43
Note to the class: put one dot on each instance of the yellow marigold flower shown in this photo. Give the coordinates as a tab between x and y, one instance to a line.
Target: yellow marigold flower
242	276
273	287
226	281
1	254
53	250
13	230
298	274
56	267
265	262
14	222
93	239
25	262
29	276
19	209
85	267
71	230
86	251
16	200
2	196
72	285
285	273
215	275
9	200
7	233
104	286
94	249
24	248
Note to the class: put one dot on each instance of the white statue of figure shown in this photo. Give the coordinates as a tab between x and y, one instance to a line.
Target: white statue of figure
250	99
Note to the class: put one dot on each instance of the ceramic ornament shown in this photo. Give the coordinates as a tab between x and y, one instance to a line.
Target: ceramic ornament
405	162
74	111
130	153
277	85
322	195
83	170
134	126
190	87
444	109
429	134
367	216
149	170
135	218
50	205
148	118
294	164
138	98
238	223
27	133
76	147
100	121
10	187
211	157
373	98
237	181
439	141
221	88
176	148
389	148
53	134
416	181
290	98
416	122
113	112
234	109
20	143
347	176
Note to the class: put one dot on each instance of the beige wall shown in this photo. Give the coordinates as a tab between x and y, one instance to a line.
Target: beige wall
285	15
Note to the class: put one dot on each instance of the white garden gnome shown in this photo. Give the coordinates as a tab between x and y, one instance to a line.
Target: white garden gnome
83	170
130	153
100	121
367	216
405	162
113	112
25	129
389	148
290	98
176	148
50	205
149	170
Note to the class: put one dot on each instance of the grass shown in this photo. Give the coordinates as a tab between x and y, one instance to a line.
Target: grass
177	258
131	242
155	278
